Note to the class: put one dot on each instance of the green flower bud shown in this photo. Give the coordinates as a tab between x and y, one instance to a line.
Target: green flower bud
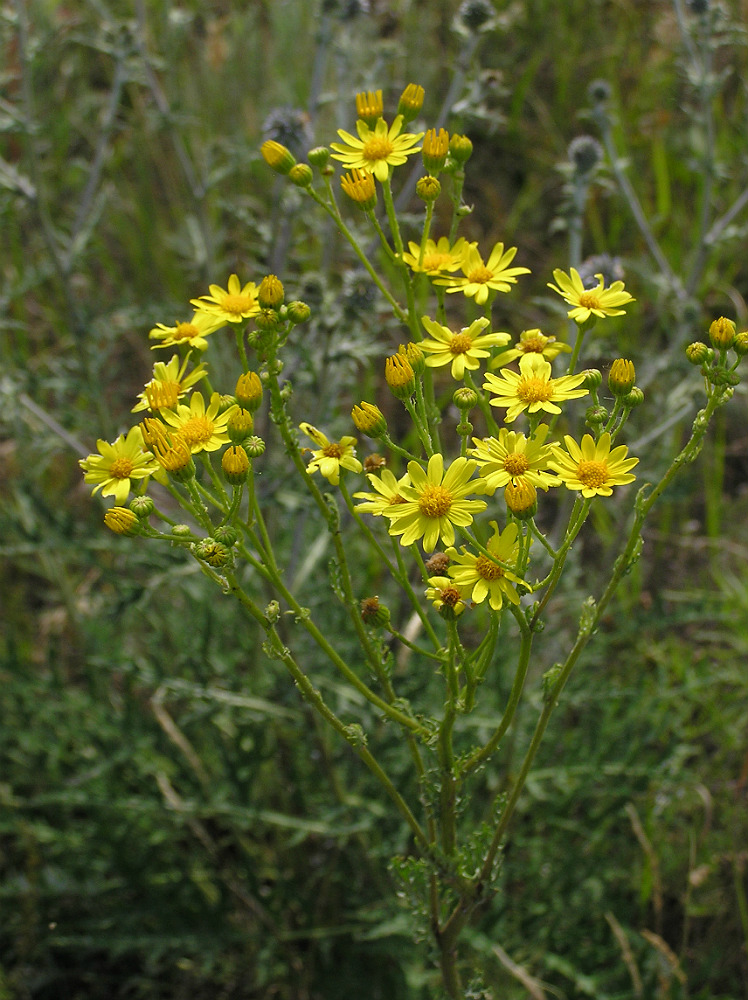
298	312
301	175
142	507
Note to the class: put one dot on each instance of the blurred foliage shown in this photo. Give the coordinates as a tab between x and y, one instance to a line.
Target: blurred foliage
173	822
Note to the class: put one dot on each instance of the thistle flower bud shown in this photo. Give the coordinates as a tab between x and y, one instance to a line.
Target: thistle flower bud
521	498
278	157
722	333
369	419
122	521
301	175
699	354
428	188
400	376
235	465
411	102
621	376
270	293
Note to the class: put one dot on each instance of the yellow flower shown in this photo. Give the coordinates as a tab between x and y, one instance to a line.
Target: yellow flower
377	149
232	304
480	278
599	301
117	464
192	333
444	593
388	492
463	349
437	257
593	469
532	388
370	106
360	187
200	429
435	502
331	456
487	578
513	456
168	384
531	342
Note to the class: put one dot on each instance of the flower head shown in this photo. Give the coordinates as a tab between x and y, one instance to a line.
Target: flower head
463	349
330	456
117	464
437	257
593	469
201	429
370	106
479	277
231	304
377	149
485	577
192	333
599	301
531	342
387	492
512	456
168	385
532	388
446	595
359	186
435	502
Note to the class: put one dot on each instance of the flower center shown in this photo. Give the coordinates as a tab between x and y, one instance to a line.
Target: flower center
592	474
533	345
196	430
480	275
487	569
516	463
185	331
460	343
534	390
435	501
436	261
588	300
377	149
237	304
162	395
451	597
332	451
121	468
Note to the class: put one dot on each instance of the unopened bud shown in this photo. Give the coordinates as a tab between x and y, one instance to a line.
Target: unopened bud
621	376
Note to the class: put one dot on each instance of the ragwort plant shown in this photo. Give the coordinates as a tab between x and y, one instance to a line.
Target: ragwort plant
452	511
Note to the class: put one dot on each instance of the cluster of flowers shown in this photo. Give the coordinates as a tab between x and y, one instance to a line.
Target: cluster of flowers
433	498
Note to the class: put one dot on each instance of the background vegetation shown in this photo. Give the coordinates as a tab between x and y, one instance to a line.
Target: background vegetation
173	823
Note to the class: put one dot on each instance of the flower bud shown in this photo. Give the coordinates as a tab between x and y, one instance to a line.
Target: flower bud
414	354
585	153
375	614
599	91
254	447
301	175
699	354
740	344
226	535
370	107
181	530
460	149
240	425
359	186
428	188
593	379
521	498
319	156
411	102
621	376
595	416
298	312
465	398
270	292
722	333
400	376
249	391
212	552
635	397
435	149
369	419
142	507
277	157
122	521
235	465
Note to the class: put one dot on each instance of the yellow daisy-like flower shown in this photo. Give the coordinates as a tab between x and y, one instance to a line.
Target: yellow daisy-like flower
512	456
532	388
168	385
592	468
388	492
481	277
438	257
435	502
463	349
117	464
377	149
486	578
331	456
599	301
443	592
201	429
531	342
233	304
192	333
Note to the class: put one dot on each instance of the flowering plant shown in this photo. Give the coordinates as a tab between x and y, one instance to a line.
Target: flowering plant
450	512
